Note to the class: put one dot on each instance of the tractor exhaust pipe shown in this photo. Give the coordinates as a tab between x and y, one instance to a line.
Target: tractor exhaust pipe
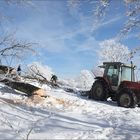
131	71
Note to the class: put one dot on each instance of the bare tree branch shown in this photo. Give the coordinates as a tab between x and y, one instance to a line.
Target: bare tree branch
12	48
29	133
20	2
34	73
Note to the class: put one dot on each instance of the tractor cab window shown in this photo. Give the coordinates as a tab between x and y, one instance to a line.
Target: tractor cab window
112	75
112	70
126	74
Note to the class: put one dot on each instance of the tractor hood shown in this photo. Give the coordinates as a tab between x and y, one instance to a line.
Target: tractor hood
131	85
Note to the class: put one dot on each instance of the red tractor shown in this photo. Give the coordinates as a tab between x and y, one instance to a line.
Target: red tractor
118	83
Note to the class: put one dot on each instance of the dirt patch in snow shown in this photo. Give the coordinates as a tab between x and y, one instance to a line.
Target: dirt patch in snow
47	101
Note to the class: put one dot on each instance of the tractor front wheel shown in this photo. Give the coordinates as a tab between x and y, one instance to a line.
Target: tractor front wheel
126	99
98	91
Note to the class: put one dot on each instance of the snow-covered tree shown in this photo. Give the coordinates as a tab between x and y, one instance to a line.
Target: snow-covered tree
98	71
85	79
11	48
100	8
113	51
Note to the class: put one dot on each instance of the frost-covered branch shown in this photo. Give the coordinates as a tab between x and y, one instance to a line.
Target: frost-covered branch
133	15
11	48
18	3
39	72
34	73
98	9
98	6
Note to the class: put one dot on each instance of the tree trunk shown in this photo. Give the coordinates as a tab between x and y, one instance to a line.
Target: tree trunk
25	87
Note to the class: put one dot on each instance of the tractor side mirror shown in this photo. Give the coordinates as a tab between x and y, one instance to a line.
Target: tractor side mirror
135	67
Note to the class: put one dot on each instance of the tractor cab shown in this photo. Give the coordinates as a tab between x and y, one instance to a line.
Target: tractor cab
116	72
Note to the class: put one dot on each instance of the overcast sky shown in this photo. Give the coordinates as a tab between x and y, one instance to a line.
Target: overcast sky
69	38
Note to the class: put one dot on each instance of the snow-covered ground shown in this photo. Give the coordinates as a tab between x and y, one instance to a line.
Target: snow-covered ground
64	115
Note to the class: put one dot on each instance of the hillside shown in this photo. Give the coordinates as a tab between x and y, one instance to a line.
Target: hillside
64	115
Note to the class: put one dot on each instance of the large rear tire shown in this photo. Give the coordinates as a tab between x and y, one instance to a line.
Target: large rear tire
126	98
98	91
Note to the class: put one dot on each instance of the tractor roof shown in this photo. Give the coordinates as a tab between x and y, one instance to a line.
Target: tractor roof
115	63
110	63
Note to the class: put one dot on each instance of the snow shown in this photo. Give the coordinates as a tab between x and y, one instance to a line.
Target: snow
64	115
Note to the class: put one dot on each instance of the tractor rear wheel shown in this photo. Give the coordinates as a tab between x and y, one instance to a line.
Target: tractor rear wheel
126	98
98	91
